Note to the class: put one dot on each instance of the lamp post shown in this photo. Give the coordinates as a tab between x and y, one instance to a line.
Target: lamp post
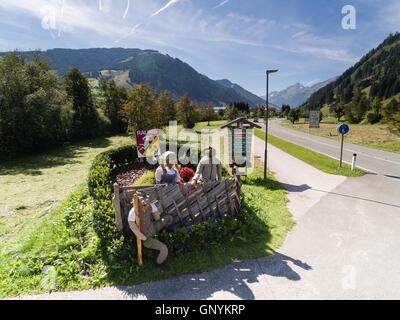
266	126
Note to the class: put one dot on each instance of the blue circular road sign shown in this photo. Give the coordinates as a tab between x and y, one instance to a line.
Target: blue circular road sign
343	129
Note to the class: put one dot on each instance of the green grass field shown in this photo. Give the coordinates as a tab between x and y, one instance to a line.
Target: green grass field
317	160
32	186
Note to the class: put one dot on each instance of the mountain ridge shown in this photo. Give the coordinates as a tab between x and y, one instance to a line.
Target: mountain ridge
296	94
134	66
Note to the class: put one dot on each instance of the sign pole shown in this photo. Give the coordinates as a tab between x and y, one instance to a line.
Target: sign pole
341	151
343	129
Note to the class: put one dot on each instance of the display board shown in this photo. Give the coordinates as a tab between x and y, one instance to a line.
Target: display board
148	143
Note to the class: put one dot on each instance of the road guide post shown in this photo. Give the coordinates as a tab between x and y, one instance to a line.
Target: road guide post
342	129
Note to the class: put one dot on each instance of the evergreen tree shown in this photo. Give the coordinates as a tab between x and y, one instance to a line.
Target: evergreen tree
111	103
356	110
167	108
86	123
187	113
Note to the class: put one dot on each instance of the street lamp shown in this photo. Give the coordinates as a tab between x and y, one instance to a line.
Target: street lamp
266	126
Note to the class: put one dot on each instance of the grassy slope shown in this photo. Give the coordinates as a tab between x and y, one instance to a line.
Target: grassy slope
71	249
32	186
317	160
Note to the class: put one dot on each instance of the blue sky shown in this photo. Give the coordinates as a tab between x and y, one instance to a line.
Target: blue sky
233	39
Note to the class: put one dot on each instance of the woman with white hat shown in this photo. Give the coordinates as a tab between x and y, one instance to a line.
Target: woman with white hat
167	172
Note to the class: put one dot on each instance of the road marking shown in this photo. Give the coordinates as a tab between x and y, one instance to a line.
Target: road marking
332	146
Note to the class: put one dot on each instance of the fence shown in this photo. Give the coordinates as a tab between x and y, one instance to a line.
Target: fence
188	205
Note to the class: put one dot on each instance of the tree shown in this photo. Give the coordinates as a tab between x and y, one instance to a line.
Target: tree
339	110
207	113
392	108
394	123
260	112
357	108
111	103
139	110
34	112
187	113
294	115
232	113
85	120
375	115
241	106
285	110
167	107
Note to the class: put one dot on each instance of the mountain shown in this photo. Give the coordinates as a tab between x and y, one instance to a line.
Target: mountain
132	66
255	100
377	74
296	94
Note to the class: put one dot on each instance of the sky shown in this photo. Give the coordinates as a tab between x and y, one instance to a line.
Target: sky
223	39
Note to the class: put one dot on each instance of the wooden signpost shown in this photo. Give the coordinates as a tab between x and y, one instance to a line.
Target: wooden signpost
139	242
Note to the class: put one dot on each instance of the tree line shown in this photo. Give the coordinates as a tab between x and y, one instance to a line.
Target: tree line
40	110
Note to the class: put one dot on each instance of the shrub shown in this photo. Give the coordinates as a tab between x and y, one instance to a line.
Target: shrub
100	182
373	118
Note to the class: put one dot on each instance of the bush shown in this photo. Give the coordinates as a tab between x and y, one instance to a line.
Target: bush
100	182
373	118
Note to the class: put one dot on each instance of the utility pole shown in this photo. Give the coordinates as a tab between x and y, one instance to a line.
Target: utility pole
266	126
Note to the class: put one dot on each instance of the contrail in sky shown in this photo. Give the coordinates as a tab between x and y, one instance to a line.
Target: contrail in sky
172	2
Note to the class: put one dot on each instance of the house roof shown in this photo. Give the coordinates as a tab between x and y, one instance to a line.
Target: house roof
244	120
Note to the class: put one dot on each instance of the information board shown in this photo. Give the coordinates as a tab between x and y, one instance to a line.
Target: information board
315	119
241	144
148	143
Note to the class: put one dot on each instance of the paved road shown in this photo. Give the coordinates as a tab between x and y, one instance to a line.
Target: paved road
372	160
345	244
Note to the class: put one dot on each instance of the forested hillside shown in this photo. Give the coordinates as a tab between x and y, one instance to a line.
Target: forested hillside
367	91
377	74
133	66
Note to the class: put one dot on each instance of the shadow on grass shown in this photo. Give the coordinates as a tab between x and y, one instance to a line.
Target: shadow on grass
269	184
32	165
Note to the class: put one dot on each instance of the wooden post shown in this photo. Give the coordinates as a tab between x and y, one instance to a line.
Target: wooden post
139	242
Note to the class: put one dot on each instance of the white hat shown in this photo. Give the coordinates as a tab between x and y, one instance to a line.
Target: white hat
167	155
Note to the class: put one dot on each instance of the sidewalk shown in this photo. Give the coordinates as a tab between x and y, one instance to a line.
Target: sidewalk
298	177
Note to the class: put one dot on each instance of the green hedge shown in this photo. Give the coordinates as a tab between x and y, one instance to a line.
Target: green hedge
100	180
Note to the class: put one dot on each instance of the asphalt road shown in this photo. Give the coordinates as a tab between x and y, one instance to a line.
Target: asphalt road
371	160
